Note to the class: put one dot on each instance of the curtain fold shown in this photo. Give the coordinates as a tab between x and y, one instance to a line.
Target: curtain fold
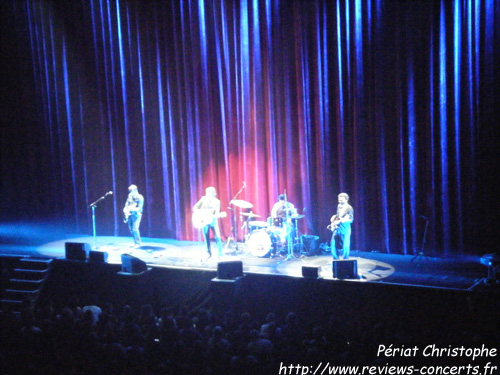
383	100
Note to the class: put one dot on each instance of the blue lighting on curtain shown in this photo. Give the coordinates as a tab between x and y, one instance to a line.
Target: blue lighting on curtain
432	123
402	186
323	67
324	102
341	150
203	45
123	75
190	102
163	134
257	65
271	74
358	32
378	33
109	73
445	207
244	68
347	38
256	84
360	116
45	63
477	44
412	153
175	211
457	61
473	48
221	49
369	20
145	137
84	157
69	123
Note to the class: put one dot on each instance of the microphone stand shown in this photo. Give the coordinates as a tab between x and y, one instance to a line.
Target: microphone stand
93	206
234	229
421	253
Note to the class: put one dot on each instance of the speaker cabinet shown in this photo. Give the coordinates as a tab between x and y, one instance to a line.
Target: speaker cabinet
98	256
229	270
345	269
76	250
311	272
311	243
131	264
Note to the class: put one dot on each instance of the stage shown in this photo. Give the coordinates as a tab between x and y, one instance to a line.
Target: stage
373	267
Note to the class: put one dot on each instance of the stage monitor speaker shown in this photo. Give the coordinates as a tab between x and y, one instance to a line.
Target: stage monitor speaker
345	269
131	264
229	270
98	256
311	243
76	250
310	272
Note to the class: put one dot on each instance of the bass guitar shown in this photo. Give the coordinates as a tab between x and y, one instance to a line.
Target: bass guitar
203	217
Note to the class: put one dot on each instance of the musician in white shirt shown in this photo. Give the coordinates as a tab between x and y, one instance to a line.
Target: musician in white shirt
210	206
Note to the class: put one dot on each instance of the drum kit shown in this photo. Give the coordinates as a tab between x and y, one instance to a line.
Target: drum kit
271	237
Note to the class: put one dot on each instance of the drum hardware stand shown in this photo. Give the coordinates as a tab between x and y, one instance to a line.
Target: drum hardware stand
234	228
421	253
93	206
231	238
297	241
289	239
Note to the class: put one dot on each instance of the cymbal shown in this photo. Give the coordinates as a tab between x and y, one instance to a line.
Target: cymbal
249	214
297	216
241	203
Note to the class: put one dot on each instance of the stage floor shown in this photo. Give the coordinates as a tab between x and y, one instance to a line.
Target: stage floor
458	273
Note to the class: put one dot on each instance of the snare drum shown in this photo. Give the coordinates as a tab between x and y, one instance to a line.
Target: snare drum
256	225
259	243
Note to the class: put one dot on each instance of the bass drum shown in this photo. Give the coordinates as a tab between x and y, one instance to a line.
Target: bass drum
259	243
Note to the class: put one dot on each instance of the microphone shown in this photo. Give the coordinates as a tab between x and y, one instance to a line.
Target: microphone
244	184
109	193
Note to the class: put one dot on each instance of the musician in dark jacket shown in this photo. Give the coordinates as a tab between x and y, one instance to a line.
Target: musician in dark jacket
341	227
133	213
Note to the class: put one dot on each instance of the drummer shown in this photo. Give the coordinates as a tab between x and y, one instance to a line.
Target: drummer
282	210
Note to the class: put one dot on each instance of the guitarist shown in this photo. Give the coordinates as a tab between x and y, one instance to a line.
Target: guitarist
341	227
209	205
133	213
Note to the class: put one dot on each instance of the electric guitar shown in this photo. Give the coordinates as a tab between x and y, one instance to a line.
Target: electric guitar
203	217
334	224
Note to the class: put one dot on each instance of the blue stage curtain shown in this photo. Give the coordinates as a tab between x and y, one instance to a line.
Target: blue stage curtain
385	100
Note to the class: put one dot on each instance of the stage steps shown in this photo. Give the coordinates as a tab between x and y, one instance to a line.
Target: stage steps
25	284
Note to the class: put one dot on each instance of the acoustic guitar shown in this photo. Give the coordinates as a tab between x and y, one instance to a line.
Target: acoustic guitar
203	217
128	211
